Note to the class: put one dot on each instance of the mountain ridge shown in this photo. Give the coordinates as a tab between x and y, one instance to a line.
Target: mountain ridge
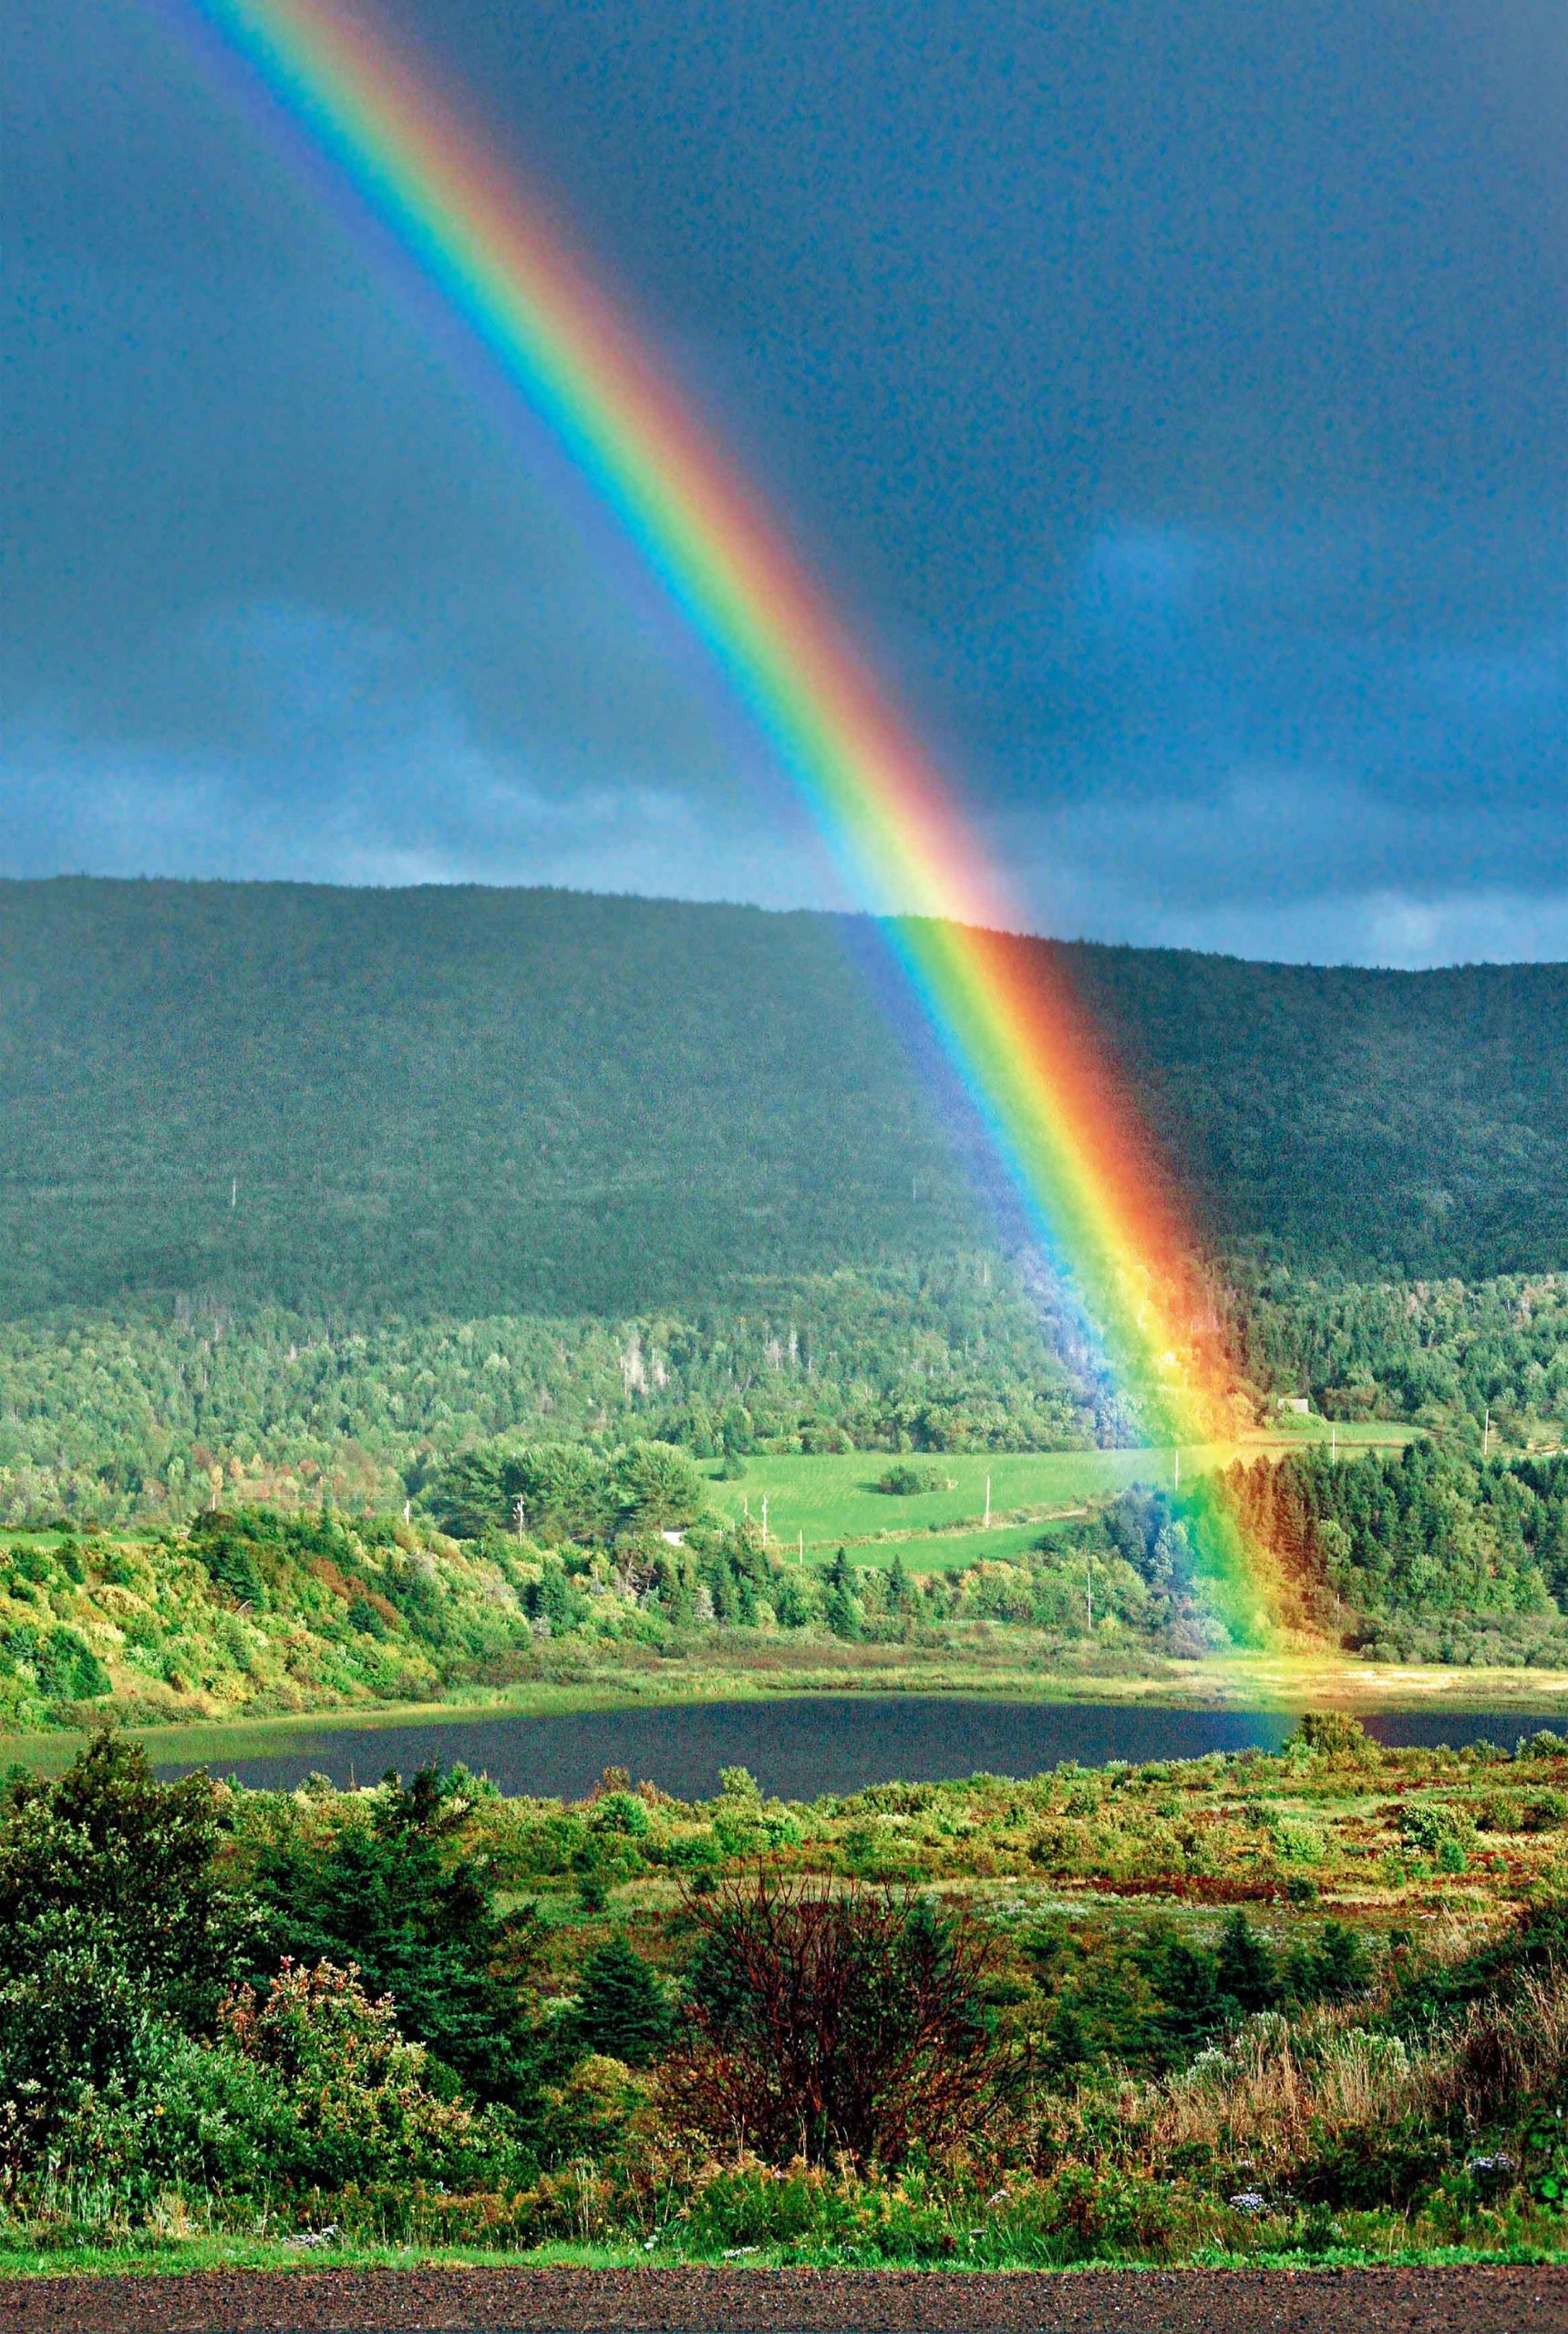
467	1098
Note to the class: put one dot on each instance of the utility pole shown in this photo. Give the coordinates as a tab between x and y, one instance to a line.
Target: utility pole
801	1557
1486	1432
1088	1586
765	1526
233	1195
988	1524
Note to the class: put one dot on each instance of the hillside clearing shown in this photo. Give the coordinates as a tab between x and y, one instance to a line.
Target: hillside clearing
829	1499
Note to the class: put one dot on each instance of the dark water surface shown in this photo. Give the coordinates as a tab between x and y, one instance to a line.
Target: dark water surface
798	1749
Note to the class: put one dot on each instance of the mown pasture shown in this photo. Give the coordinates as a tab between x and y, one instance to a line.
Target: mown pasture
816	1504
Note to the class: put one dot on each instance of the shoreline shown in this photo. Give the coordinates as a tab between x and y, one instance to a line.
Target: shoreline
1262	1683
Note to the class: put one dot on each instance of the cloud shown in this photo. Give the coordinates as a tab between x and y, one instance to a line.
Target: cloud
1288	866
302	746
1389	928
1173	400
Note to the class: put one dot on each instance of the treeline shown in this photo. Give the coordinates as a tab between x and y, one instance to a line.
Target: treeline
512	1558
253	1611
466	1102
1426	1553
116	1417
144	1415
1448	1354
570	1561
574	1562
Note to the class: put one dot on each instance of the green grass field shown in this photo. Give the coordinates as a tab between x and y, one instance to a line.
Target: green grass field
818	1503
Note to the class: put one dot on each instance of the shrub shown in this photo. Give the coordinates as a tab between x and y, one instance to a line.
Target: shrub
128	1861
228	1552
186	2111
553	1602
903	1480
1428	1828
73	2020
622	1813
832	2022
1193	2010
1333	1734
1245	1967
1334	1970
99	2086
65	1664
1375	2163
359	2092
397	1897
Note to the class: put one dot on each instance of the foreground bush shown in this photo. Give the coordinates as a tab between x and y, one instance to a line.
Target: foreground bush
836	2023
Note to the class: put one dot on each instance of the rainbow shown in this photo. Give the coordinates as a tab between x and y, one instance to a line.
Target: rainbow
1063	1130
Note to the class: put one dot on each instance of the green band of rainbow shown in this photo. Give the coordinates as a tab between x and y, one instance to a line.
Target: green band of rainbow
1062	1126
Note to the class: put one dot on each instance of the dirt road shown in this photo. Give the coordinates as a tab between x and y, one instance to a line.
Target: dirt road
712	2301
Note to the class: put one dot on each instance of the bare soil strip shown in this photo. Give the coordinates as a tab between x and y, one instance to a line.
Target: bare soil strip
793	2301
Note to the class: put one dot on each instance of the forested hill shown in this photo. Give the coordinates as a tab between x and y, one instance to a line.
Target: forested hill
466	1101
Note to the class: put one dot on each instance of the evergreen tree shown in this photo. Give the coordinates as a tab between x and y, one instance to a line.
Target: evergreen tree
1245	1969
1336	1971
840	1605
621	2012
555	1600
400	1899
1192	2009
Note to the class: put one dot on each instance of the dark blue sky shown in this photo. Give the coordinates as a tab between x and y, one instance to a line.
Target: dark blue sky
1175	396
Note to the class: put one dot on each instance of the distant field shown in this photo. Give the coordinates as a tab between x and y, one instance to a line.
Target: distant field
824	1501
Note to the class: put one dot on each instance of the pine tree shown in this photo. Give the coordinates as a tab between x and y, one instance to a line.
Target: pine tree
1246	1968
1338	1970
621	2012
1193	2010
840	1605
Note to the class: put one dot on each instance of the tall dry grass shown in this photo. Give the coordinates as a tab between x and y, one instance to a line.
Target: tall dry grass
1277	2088
1282	2089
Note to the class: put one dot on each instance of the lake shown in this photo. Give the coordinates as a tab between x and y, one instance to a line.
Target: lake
801	1748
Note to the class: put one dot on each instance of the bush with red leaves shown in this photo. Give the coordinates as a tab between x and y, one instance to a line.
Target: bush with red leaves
827	2022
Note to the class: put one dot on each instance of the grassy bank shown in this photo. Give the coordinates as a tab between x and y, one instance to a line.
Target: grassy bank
1538	2241
1237	1681
1444	1577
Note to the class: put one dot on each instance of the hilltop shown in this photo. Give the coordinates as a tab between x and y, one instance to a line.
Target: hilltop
463	1101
